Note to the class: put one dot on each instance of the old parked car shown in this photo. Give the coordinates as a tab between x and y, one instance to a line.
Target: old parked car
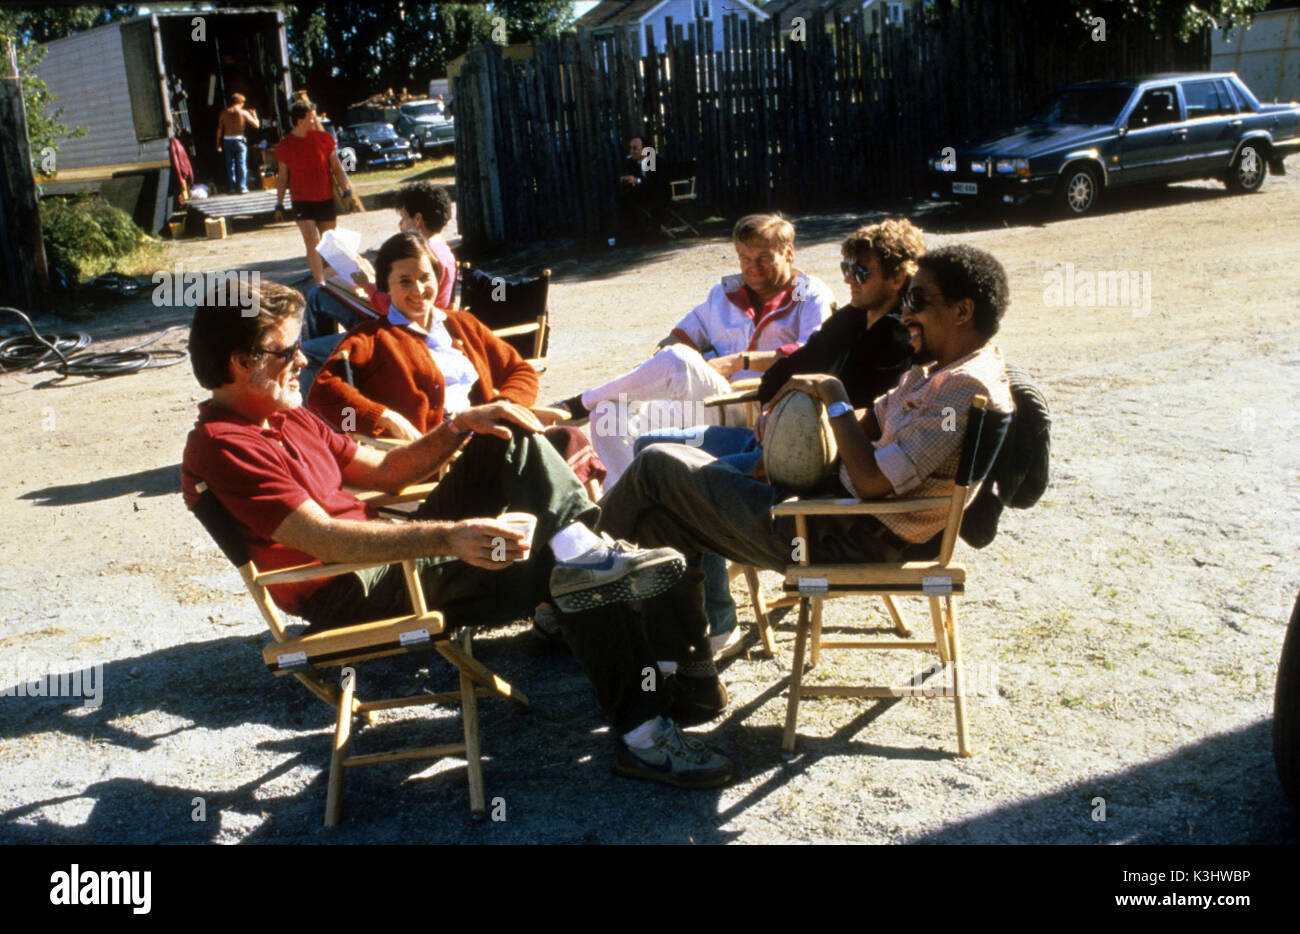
426	124
1091	137
374	144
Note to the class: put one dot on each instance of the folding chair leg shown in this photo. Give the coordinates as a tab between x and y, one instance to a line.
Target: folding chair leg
760	611
816	649
473	752
958	681
342	737
796	677
326	692
900	627
940	631
482	675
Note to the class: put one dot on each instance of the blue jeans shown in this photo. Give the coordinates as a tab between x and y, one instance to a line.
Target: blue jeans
739	448
320	336
323	311
236	151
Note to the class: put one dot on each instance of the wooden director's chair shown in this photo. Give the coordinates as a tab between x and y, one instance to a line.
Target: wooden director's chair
306	656
516	310
938	580
681	191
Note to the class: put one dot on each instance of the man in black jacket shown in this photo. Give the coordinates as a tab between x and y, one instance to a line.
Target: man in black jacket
864	343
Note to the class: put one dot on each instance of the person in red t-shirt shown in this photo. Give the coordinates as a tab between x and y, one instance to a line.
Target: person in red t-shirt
307	158
279	473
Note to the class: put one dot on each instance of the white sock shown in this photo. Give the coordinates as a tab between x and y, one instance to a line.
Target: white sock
643	736
574	541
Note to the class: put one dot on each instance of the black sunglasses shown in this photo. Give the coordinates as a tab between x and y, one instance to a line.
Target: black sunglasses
859	272
285	355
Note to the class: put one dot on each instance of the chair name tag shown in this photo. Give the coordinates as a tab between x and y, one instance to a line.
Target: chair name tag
412	636
291	659
936	586
814	585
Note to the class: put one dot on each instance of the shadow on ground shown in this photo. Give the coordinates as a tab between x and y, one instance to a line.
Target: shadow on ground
1169	800
547	771
159	481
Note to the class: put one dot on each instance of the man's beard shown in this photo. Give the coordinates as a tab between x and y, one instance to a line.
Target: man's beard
285	397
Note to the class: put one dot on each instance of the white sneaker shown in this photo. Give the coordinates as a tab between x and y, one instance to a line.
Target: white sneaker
727	644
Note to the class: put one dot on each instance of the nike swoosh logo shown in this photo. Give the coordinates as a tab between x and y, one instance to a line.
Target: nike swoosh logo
605	565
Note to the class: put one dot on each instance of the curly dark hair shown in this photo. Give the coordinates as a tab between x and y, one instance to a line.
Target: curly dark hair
964	271
221	330
402	246
428	200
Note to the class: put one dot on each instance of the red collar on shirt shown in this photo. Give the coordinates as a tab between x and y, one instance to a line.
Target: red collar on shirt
745	299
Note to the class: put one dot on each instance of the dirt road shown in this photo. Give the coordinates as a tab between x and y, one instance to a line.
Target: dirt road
1124	632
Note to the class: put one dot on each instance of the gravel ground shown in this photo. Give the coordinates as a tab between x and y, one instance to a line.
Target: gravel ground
1123	634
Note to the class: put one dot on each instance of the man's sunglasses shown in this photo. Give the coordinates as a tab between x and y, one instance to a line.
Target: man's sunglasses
859	272
285	355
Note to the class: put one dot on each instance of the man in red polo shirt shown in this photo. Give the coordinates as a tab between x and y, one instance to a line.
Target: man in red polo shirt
279	472
744	325
307	158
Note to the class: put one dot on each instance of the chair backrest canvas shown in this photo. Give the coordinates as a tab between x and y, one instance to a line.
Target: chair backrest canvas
502	303
985	431
219	524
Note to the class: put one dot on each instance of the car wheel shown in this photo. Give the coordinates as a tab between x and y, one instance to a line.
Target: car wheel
1248	171
1286	710
1078	190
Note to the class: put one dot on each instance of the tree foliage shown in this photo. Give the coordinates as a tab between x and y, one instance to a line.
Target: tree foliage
1179	18
342	52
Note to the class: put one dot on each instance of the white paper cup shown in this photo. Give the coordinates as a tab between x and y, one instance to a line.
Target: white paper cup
524	522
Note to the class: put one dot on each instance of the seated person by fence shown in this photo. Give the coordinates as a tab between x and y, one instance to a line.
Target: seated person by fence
642	190
738	331
907	443
406	372
279	472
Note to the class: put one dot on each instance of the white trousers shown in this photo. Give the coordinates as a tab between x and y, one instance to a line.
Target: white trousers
667	391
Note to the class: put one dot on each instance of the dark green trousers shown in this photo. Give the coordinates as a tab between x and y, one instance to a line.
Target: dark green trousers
492	475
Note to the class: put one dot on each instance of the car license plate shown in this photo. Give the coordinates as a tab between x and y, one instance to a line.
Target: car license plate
965	188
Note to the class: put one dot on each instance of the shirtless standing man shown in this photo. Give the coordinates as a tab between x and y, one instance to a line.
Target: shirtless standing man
231	141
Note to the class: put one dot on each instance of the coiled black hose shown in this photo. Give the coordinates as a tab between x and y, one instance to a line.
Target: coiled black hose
38	353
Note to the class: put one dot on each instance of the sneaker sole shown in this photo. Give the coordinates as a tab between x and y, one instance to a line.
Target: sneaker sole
715	780
639	584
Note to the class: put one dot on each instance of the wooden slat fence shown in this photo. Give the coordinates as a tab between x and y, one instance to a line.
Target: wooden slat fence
773	124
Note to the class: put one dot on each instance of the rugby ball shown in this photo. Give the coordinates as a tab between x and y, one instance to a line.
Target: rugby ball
798	443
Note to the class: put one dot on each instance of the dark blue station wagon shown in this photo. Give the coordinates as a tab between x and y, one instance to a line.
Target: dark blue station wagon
1091	137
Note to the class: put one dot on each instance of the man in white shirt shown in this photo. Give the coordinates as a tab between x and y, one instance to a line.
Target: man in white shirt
740	329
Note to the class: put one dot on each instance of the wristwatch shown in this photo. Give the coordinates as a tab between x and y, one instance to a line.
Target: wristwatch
744	361
836	409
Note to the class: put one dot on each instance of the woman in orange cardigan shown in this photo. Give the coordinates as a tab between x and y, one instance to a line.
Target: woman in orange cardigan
420	364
